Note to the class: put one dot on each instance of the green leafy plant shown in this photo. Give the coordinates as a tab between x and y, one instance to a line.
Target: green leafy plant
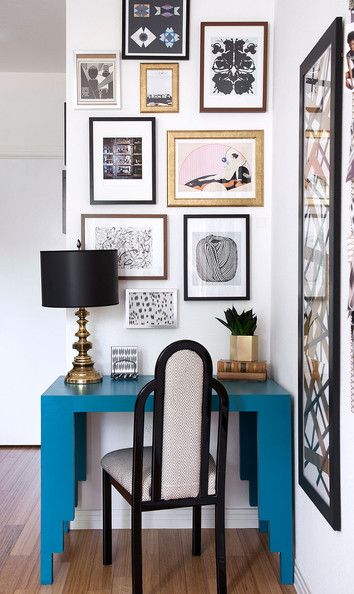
243	324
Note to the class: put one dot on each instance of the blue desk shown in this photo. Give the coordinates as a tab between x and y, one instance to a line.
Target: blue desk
265	451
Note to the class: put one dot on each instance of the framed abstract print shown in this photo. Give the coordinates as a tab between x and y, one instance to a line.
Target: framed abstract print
155	31
122	161
319	273
97	79
215	168
216	257
233	66
141	242
151	308
159	88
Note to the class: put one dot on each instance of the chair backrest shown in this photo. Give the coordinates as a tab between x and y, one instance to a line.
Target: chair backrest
181	428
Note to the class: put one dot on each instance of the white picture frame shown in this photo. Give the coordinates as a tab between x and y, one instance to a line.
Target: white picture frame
151	308
111	59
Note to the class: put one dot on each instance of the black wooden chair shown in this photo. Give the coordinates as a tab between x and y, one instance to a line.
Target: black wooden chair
178	470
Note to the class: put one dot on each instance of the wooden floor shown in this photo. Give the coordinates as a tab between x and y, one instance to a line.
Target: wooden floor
169	567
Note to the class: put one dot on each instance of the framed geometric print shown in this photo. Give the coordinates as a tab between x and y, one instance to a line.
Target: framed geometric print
319	273
155	31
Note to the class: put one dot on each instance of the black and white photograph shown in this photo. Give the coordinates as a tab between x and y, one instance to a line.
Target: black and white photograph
151	308
141	242
157	31
216	257
159	87
233	66
122	160
97	79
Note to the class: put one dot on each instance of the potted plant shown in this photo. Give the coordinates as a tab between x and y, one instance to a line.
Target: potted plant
243	343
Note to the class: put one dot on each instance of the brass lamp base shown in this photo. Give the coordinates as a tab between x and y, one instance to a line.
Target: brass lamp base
83	371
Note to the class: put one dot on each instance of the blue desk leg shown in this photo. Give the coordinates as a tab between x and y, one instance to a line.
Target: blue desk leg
248	454
80	451
57	482
275	482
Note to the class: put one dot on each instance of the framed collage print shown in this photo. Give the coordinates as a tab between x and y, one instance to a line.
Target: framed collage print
233	66
141	242
216	257
215	168
155	31
97	79
319	273
122	161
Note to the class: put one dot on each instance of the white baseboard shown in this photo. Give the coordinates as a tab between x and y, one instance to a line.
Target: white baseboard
299	581
175	518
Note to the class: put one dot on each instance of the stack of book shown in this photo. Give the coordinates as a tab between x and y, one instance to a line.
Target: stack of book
242	370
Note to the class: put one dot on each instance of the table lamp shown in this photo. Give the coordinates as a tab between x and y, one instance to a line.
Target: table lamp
80	279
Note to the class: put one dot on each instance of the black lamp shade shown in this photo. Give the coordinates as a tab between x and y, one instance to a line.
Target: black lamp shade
87	278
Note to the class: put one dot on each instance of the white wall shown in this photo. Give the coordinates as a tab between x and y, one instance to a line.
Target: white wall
89	29
32	345
324	558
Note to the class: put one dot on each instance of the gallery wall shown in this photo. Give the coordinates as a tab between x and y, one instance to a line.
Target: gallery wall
324	560
91	29
31	159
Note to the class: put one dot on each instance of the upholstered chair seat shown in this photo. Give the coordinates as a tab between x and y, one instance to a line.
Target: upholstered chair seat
119	465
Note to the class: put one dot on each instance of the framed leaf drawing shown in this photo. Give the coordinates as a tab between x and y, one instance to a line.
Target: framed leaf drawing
141	241
233	66
215	168
319	272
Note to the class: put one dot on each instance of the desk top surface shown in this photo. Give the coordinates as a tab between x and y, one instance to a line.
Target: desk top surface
109	387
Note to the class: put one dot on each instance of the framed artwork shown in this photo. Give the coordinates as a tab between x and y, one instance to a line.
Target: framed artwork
141	242
319	273
159	90
151	308
122	161
216	257
215	168
155	31
233	66
97	79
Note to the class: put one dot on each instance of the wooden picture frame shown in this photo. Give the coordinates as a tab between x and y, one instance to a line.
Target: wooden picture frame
167	98
215	168
321	88
97	79
112	181
146	35
208	277
222	89
135	242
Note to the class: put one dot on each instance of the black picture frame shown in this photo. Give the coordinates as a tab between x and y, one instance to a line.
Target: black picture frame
152	121
246	295
330	509
156	56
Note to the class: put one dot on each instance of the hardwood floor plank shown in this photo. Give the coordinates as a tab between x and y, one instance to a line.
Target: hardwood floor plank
168	564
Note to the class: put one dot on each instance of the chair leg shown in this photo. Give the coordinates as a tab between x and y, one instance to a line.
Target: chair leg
220	547
197	529
107	518
137	570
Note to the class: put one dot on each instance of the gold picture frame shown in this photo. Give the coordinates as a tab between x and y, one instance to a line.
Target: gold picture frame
226	172
168	102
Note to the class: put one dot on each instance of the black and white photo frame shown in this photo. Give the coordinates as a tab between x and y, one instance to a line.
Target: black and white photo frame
151	308
122	160
97	80
216	257
155	31
140	239
224	88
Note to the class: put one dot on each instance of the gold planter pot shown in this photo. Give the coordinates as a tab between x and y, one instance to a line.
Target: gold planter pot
244	348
